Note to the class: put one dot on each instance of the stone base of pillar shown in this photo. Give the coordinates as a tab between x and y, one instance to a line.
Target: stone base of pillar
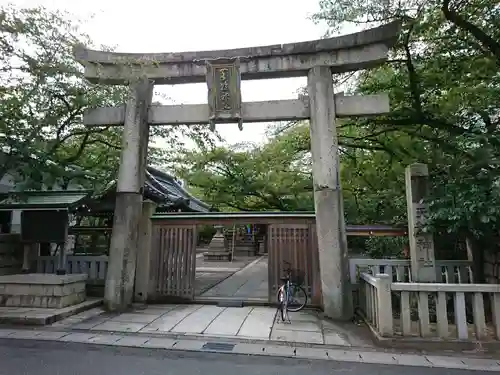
144	253
332	264
119	286
262	248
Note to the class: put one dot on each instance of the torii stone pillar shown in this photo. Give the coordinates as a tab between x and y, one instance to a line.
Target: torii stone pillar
330	225
423	267
120	277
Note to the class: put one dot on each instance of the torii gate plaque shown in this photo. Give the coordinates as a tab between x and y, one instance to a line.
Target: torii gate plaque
222	70
224	91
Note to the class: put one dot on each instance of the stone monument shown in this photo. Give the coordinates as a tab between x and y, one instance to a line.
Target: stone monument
217	250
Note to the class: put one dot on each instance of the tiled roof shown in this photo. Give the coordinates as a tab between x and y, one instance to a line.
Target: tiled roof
164	189
159	187
165	186
50	199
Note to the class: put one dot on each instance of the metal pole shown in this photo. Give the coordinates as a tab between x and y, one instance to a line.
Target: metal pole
232	249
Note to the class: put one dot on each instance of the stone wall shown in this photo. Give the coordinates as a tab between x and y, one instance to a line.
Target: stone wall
42	290
11	254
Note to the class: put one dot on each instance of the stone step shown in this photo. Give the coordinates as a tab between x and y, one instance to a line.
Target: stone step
217	256
38	290
244	252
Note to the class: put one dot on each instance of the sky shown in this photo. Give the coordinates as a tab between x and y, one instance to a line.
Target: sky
193	25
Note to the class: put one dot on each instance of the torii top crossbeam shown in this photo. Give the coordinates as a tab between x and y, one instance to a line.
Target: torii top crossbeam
350	52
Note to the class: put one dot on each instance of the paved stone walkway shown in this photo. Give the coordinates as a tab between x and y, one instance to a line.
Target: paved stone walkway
214	266
250	282
209	274
255	323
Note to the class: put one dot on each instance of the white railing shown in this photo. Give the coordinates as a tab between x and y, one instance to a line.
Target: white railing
439	310
447	271
450	271
95	266
373	296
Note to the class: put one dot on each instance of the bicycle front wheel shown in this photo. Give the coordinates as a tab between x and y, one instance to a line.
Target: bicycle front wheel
282	303
297	298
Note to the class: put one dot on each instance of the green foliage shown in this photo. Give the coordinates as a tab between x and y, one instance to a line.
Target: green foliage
274	176
442	78
43	96
380	247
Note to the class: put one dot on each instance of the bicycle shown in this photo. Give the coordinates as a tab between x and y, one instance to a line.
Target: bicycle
289	291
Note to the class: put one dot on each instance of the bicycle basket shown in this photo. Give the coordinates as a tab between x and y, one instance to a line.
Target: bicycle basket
297	277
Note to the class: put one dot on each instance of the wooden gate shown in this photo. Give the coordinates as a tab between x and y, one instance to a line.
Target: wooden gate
173	262
297	244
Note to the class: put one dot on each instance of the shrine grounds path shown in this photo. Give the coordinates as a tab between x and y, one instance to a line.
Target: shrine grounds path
21	357
231	279
248	282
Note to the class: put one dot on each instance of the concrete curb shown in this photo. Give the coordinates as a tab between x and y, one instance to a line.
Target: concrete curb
257	349
433	343
205	337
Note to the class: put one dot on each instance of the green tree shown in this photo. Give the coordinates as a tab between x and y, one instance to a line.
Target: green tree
43	96
273	176
278	175
442	78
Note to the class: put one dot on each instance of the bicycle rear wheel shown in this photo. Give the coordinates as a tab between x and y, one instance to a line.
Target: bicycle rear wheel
297	298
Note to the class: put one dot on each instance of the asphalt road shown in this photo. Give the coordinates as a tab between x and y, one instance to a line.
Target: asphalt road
19	357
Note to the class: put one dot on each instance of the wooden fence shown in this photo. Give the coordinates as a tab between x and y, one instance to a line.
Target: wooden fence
297	245
172	262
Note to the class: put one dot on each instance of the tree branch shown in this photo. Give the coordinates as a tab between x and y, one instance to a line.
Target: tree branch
486	41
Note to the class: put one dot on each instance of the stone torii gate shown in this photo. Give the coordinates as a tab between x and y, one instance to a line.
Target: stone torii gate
223	71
